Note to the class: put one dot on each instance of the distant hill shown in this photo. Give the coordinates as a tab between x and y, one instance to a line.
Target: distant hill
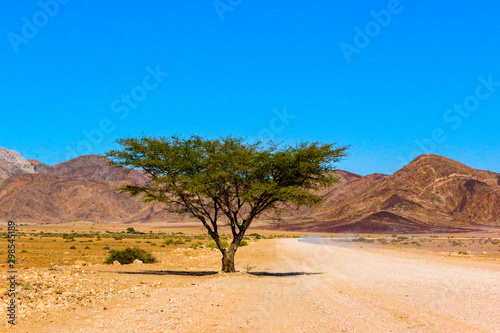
12	163
432	193
82	189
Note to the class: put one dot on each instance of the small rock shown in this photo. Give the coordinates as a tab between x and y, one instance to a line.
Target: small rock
137	262
116	263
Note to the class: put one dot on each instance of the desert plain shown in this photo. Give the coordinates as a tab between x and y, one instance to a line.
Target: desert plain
321	283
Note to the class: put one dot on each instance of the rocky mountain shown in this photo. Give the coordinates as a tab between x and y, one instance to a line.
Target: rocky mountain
82	189
47	198
93	167
12	163
431	193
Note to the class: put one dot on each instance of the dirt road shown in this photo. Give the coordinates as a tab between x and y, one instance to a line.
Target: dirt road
303	287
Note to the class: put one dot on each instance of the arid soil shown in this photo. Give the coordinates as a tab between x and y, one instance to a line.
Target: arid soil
283	286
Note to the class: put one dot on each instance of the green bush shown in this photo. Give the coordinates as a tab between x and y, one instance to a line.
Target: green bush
223	242
168	241
196	245
178	241
106	248
73	248
243	242
128	256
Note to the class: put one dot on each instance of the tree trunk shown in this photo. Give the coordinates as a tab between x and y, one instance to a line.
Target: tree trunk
228	260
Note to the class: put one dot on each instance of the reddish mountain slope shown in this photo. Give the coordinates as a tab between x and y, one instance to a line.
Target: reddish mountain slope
430	193
82	189
93	167
39	197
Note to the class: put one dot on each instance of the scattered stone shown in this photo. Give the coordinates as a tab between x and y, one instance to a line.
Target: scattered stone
116	263
137	262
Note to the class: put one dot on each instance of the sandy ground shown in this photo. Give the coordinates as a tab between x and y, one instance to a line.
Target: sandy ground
297	287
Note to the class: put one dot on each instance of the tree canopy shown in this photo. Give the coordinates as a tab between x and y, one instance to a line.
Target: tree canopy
227	181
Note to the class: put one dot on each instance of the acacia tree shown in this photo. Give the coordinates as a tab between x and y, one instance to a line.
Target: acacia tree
226	181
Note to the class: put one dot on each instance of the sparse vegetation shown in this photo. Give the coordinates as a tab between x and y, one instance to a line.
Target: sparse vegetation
128	256
196	245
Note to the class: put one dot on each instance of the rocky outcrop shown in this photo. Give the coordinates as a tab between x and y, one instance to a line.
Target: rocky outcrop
12	163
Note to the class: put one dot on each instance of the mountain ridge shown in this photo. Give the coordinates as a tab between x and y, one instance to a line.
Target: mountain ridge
431	192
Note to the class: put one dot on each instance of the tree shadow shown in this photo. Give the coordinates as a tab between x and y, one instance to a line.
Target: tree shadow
185	273
282	274
206	273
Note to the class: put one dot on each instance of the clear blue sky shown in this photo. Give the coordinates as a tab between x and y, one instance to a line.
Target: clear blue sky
77	77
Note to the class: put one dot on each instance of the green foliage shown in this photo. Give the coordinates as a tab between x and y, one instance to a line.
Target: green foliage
212	245
73	248
106	248
243	242
168	241
128	256
363	240
223	170
131	230
227	180
196	245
